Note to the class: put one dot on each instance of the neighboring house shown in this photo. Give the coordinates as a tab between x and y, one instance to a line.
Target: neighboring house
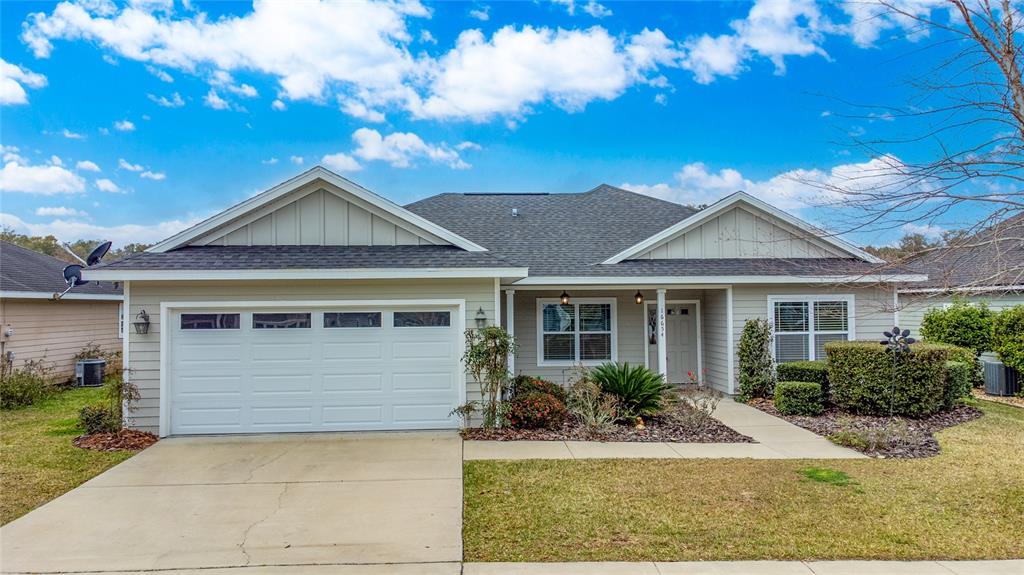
318	305
985	267
35	327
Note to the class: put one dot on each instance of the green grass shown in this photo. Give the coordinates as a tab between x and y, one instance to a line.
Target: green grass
37	459
966	503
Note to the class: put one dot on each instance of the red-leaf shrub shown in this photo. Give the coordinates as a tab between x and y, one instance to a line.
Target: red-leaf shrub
536	410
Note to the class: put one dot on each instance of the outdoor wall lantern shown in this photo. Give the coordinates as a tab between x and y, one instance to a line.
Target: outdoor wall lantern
639	297
564	297
142	325
481	318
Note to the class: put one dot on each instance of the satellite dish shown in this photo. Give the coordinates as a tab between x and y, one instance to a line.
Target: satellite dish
73	276
97	254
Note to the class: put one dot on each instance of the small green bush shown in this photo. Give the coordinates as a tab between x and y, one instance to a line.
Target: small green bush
814	371
757	376
958	382
1008	337
98	418
535	410
640	391
527	384
798	398
865	379
24	386
962	324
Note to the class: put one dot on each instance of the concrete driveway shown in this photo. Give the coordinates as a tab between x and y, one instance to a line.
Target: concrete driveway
281	500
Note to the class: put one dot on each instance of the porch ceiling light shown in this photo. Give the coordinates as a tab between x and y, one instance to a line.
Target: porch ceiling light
639	297
564	297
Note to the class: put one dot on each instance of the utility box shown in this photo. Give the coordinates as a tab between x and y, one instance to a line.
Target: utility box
89	372
1000	380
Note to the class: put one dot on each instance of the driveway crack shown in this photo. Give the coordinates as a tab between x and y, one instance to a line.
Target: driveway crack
245	535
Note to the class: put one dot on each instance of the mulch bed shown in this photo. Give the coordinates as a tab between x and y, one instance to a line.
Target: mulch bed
656	429
124	440
1013	400
919	441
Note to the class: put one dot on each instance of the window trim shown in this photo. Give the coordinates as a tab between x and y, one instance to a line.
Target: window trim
120	320
810	332
576	302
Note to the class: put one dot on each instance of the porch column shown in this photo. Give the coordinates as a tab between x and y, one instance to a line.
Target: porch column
510	325
662	331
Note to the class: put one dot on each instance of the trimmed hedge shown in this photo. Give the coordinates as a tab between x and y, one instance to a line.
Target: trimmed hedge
813	371
798	398
1008	337
963	324
861	375
958	382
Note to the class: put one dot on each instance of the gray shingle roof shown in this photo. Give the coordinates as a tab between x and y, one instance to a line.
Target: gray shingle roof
308	257
23	270
992	257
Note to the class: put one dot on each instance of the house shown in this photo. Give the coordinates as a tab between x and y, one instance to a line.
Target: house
36	327
319	305
984	267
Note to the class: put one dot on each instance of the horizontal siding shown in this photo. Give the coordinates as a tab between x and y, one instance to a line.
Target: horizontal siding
913	306
54	331
144	352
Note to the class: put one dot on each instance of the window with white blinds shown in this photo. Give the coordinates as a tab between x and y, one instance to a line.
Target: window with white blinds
804	324
582	331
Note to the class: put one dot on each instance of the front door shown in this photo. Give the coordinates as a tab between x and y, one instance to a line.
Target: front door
681	332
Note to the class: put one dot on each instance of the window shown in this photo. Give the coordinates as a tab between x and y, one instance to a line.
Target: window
281	320
352	319
210	321
582	331
422	319
804	324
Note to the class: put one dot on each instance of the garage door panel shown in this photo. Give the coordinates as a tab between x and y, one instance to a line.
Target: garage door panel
319	378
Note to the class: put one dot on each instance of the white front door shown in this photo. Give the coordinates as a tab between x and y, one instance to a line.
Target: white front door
253	370
681	332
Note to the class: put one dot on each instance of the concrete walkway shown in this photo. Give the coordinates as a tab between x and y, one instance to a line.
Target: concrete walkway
776	439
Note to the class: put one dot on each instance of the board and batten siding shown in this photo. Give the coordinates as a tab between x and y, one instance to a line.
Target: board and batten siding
144	350
914	306
317	215
54	331
741	233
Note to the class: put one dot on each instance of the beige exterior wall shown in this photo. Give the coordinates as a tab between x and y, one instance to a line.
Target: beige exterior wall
743	233
914	306
715	339
54	331
144	350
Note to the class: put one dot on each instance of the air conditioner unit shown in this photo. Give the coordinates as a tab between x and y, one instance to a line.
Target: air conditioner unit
1000	379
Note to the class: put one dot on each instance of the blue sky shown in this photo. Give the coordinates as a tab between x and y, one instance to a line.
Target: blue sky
129	122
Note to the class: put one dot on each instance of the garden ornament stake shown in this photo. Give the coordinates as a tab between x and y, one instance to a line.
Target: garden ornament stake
898	342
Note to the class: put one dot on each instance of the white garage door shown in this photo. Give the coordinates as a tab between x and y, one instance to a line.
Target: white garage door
324	369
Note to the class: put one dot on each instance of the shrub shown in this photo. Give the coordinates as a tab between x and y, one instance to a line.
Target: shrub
24	386
813	371
962	324
535	410
757	376
93	350
640	391
527	384
798	398
98	418
958	382
976	372
865	378
696	406
894	434
486	359
595	409
1008	337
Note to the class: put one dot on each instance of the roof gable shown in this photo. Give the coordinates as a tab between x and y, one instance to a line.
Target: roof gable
317	207
740	225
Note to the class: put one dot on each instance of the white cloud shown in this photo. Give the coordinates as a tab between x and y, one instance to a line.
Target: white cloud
124	126
162	75
597	10
87	166
661	99
483	13
297	160
244	90
158	176
45	180
269	162
868	20
10	154
126	165
467	145
929	231
357	109
401	149
56	161
72	135
214	101
13	79
427	38
341	162
278	105
60	211
175	101
105	185
71	230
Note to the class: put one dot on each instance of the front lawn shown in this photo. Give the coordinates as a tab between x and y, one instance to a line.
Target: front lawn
38	461
966	503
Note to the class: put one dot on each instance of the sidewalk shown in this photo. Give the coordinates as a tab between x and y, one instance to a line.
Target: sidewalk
776	439
1012	567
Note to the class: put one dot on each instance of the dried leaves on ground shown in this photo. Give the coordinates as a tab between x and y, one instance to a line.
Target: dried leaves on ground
1014	400
124	440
